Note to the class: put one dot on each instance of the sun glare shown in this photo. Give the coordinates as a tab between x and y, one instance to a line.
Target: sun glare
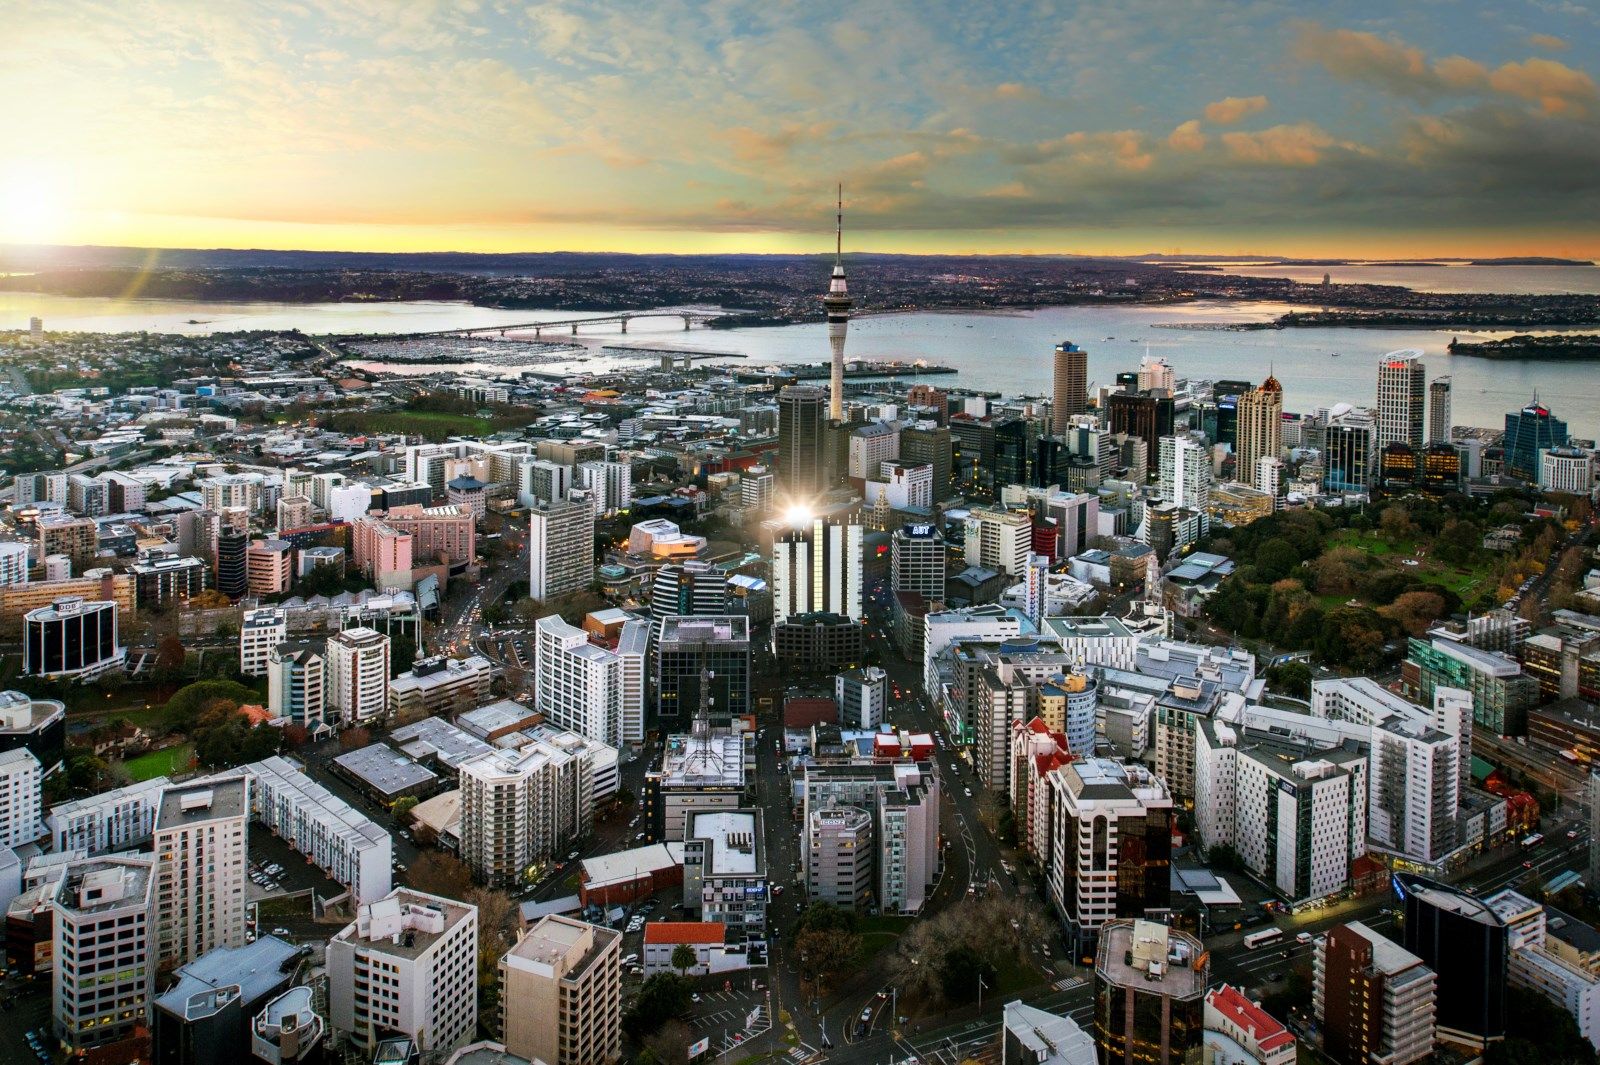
30	208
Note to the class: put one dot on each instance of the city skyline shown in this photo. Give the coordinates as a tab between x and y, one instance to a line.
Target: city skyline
1094	129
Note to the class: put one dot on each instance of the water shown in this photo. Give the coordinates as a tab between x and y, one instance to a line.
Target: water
995	352
1522	280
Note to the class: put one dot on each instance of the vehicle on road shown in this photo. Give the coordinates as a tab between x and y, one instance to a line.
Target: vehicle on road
1303	937
1532	840
1263	938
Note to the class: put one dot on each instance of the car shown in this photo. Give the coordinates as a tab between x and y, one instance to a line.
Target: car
777	889
968	791
695	997
639	837
1274	976
1527	865
1303	937
1572	833
572	857
630	959
280	931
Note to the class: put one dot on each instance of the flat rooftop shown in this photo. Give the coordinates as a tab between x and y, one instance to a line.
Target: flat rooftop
211	800
735	838
384	769
257	968
1152	957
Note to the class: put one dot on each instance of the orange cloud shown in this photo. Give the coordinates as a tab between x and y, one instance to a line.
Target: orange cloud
1187	137
1556	87
1301	144
1227	111
1548	41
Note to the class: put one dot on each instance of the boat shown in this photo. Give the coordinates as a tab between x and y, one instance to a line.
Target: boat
1333	354
1108	338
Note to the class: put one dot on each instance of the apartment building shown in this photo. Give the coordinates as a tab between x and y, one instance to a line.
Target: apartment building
1374	1000
561	994
577	685
269	567
259	632
335	836
408	964
21	798
104	951
903	799
840	858
297	684
525	806
440	686
357	674
999	540
202	857
110	821
560	548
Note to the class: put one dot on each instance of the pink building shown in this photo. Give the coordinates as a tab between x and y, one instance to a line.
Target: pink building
381	550
269	566
450	531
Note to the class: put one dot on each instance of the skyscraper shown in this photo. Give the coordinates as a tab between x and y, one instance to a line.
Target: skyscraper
202	854
1071	385
1185	471
837	306
802	463
927	444
1260	428
1439	411
560	548
1374	999
1149	994
1529	431
1401	380
817	567
1464	941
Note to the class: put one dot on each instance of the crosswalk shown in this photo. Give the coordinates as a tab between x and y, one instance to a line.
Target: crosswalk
1067	983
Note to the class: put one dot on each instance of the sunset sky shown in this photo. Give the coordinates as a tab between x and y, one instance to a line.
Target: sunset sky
1423	127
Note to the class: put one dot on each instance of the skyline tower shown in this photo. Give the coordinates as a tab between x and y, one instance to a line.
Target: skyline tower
1401	386
837	305
1259	428
1071	386
1439	411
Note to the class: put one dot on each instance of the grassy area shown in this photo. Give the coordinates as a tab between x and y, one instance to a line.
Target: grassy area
433	424
283	906
1465	581
163	763
875	943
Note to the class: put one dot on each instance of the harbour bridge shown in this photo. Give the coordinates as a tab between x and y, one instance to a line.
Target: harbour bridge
621	319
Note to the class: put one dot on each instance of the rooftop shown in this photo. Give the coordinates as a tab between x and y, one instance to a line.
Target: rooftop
734	837
1046	1038
406	923
1268	1032
209	800
384	769
257	969
1153	958
691	932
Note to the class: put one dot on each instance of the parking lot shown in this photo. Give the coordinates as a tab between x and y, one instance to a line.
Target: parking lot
28	1012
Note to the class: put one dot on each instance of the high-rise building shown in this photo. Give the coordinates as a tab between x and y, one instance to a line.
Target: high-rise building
1439	411
421	952
1402	381
836	304
839	857
357	684
297	684
577	684
77	538
1529	431
233	572
561	994
269	567
259	632
999	540
1374	999
560	548
1414	784
611	484
14	564
1464	940
21	798
104	950
202	860
917	561
1542	961
683	589
1260	428
703	660
725	872
71	638
863	696
927	444
1149	994
903	798
802	455
757	487
816	568
525	806
1071	386
870	446
1011	452
1347	458
1185	472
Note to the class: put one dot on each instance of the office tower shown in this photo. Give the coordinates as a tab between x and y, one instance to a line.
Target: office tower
1439	411
233	578
1529	431
1071	391
839	853
926	444
297	684
167	581
1465	942
1010	452
862	696
1260	428
577	684
802	458
999	540
71	638
1142	415
1032	1036
1111	823
901	487
77	538
357	685
21	798
202	855
1414	782
1373	998
725	872
1185	472
1155	373
917	561
525	806
703	661
561	994
422	952
1401	383
293	512
1149	994
204	1017
1567	469
104	951
870	446
757	487
816	568
560	548
682	589
1347	456
836	304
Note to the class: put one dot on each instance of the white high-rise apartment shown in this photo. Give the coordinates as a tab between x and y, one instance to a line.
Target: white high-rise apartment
561	994
1185	472
407	964
14	561
357	686
560	548
21	798
633	654
202	858
341	840
1414	789
817	567
104	941
577	685
917	561
1402	384
297	684
999	540
1439	411
610	483
540	480
259	632
1269	476
525	806
870	447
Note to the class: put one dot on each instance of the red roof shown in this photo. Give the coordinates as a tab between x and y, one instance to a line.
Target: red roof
692	932
1268	1032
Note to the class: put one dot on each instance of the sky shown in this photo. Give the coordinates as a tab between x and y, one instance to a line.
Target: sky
1378	129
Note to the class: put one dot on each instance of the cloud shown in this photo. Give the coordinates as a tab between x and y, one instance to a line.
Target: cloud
1548	41
1389	63
771	146
1300	144
1227	111
1015	90
1187	137
1555	87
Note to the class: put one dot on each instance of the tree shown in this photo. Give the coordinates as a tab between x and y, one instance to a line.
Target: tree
662	998
961	971
683	958
1292	679
353	739
1275	560
438	873
826	953
1538	1032
170	654
402	807
669	1046
1396	524
1416	611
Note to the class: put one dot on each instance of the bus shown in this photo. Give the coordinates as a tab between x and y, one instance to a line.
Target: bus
1534	840
1263	937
